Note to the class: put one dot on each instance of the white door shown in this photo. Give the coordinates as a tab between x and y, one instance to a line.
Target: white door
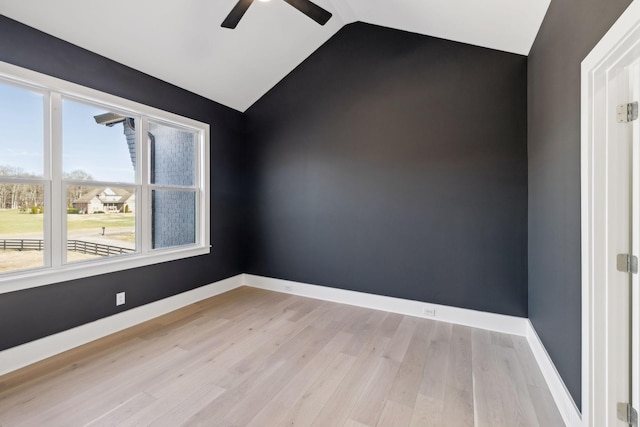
623	208
634	306
619	209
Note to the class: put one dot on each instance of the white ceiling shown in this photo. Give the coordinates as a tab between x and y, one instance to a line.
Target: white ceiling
181	41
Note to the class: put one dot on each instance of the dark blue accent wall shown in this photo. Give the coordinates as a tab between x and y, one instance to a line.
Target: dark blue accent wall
570	30
34	313
395	164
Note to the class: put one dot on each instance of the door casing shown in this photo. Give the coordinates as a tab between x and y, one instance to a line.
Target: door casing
602	76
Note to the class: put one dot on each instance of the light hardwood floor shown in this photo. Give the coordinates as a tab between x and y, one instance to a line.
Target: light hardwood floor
251	357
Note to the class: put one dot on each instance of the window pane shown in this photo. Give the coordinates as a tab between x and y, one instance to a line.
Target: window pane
21	226
173	218
21	132
172	155
101	222
98	142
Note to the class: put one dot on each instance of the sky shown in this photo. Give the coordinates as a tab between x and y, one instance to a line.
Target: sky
21	129
98	150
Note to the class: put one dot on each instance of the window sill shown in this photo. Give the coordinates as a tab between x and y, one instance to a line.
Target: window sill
27	279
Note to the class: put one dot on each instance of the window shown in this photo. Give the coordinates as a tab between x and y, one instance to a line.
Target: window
22	187
91	183
173	191
98	159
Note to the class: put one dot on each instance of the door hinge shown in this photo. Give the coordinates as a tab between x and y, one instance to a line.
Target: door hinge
627	112
627	414
627	263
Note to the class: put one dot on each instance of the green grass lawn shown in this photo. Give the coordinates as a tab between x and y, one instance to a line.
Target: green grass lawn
16	222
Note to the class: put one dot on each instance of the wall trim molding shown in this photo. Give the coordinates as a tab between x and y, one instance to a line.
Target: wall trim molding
461	316
26	354
565	403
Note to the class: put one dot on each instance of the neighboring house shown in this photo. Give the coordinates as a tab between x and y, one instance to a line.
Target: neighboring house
106	200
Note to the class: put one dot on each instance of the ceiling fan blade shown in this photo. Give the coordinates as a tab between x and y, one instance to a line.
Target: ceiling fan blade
236	14
312	10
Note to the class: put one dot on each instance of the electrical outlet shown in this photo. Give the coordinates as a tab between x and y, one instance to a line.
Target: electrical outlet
288	288
429	311
120	298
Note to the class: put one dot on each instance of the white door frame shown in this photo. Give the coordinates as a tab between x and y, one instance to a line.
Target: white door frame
617	47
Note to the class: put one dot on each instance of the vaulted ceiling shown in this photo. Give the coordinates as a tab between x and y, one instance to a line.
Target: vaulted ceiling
181	41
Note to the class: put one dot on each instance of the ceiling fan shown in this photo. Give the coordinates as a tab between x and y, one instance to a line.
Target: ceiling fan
312	10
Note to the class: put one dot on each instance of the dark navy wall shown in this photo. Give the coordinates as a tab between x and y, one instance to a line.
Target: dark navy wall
395	164
570	30
34	313
387	162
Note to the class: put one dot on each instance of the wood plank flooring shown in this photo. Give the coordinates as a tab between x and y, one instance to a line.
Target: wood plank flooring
251	357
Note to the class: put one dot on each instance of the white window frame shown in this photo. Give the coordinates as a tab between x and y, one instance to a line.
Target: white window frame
55	269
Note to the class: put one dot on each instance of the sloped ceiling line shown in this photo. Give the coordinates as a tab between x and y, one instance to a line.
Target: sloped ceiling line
181	41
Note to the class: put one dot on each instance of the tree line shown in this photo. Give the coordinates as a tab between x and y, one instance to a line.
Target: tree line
30	196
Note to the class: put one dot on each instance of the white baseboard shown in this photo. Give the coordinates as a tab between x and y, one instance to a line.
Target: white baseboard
477	319
461	316
562	397
35	351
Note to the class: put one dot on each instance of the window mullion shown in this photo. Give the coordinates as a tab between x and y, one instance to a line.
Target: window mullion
47	180
57	241
203	177
143	225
